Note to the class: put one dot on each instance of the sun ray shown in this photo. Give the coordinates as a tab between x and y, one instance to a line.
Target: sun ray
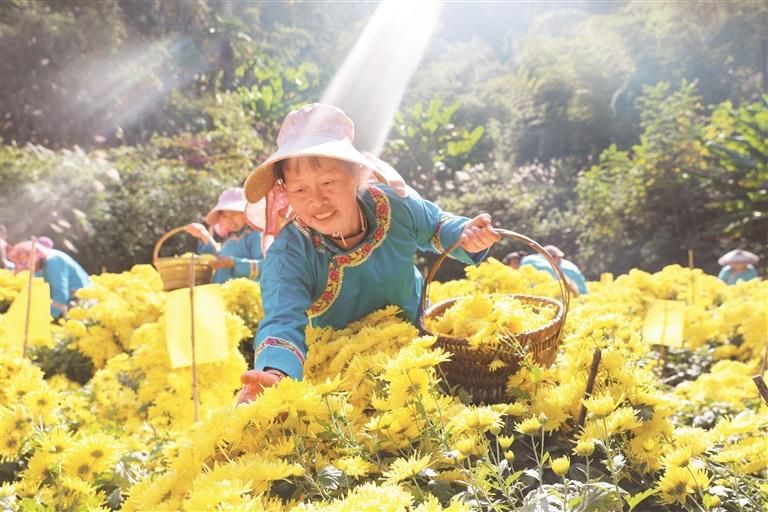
371	82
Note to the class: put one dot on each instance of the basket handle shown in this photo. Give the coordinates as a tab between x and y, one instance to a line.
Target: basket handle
169	234
564	291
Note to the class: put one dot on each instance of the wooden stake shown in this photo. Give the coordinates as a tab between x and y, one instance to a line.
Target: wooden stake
590	384
195	396
32	264
693	281
662	360
761	387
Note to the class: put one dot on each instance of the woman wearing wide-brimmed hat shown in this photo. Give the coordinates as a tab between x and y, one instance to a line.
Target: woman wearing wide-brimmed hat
62	273
239	224
738	265
349	246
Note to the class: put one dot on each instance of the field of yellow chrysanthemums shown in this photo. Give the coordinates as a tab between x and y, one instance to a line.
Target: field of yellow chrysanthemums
98	419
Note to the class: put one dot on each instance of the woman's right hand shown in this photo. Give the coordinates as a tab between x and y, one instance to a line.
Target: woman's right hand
255	382
198	231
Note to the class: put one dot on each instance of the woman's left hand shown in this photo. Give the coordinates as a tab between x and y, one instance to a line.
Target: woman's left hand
223	262
478	234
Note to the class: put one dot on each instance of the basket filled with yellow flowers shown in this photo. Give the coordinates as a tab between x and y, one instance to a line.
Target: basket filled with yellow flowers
175	270
488	335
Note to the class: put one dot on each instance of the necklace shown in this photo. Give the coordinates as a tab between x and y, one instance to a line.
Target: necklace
363	223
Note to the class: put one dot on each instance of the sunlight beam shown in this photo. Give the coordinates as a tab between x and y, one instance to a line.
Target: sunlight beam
371	82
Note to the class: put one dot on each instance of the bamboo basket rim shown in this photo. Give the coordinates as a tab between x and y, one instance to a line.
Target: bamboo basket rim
176	269
156	251
445	304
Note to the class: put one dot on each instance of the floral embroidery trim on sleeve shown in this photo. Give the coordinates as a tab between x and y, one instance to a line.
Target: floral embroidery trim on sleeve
254	270
278	343
435	240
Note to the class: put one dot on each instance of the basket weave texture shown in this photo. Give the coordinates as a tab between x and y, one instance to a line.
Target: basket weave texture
174	270
469	366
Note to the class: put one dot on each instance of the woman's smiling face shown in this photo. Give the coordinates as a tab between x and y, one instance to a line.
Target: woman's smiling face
323	193
232	220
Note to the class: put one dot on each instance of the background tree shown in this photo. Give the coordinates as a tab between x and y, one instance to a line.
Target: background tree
550	117
428	148
736	143
678	189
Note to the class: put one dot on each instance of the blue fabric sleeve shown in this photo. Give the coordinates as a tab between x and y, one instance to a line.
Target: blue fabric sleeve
539	263
208	248
56	274
286	294
728	276
581	282
573	272
249	267
245	268
437	230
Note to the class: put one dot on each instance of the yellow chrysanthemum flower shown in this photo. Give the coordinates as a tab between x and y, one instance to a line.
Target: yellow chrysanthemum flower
220	495
600	405
529	426
403	469
467	445
622	420
505	441
366	498
479	419
560	465
355	466
678	483
584	447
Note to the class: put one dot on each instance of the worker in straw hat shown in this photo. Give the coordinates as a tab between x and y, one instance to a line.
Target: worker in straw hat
573	276
349	246
240	226
62	273
738	265
513	259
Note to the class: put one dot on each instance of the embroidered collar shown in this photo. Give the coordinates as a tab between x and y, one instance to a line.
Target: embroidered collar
381	217
237	235
352	258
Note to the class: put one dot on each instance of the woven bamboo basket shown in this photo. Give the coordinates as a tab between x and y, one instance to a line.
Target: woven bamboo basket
174	271
469	366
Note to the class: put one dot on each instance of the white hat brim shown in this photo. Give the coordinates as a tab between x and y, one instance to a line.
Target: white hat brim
738	256
235	206
262	179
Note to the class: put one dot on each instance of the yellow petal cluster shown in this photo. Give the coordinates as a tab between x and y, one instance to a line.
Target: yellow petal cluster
373	426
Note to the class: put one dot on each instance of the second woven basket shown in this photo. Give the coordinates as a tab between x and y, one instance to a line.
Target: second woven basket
175	270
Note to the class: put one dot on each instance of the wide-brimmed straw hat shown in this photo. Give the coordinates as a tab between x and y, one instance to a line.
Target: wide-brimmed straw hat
316	129
738	256
233	199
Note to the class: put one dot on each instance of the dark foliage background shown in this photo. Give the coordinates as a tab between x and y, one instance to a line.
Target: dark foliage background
626	133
